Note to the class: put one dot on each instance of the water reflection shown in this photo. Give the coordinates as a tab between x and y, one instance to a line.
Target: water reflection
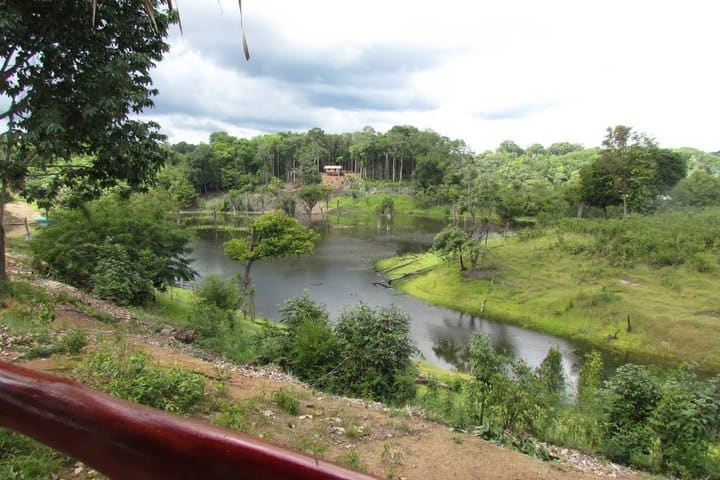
340	273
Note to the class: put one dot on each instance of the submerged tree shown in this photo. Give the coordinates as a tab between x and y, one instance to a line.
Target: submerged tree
71	88
271	235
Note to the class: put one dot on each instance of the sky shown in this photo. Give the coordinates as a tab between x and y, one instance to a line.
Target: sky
531	71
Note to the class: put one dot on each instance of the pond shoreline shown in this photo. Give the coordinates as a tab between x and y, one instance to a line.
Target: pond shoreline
430	285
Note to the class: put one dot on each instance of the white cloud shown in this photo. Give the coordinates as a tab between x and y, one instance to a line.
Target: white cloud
530	71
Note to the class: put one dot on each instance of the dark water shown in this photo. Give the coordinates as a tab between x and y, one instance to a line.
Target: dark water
340	273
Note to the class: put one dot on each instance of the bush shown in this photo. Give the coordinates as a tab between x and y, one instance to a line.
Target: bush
134	377
73	341
685	422
117	246
375	348
630	397
552	375
670	238
286	401
116	278
222	293
309	348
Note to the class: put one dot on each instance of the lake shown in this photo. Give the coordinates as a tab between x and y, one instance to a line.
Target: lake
340	273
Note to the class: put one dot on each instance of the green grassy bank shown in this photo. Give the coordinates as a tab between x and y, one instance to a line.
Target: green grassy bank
674	311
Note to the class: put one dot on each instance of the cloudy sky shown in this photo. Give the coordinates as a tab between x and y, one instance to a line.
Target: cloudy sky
533	71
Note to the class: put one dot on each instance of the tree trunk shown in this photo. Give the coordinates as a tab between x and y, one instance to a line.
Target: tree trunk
401	168
625	206
393	168
3	194
581	209
245	298
387	166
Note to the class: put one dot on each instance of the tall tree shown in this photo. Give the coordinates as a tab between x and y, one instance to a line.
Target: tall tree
71	88
631	170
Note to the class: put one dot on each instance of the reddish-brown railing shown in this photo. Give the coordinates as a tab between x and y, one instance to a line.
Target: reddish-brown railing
128	441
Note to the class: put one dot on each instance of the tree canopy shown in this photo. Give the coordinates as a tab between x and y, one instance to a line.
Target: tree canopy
71	89
271	235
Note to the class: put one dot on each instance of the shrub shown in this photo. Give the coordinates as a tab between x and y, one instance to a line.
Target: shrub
630	397
115	240
374	350
590	377
133	376
551	374
73	341
116	277
222	293
685	421
309	348
286	401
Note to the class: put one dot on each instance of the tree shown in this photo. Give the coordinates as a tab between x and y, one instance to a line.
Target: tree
313	193
71	89
271	235
510	147
631	170
698	190
450	243
487	365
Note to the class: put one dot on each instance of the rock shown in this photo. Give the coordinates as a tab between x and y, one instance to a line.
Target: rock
167	331
334	430
186	336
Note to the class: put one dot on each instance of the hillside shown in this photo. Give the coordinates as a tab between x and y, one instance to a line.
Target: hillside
385	442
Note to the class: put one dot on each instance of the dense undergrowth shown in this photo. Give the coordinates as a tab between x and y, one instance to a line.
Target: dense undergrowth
671	238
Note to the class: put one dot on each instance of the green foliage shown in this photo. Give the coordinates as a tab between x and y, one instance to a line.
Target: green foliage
118	279
133	376
631	170
287	204
119	246
24	459
73	341
286	400
685	422
220	292
374	354
673	237
272	235
631	396
590	377
75	92
487	365
551	374
450	243
308	348
700	189
232	415
313	193
386	207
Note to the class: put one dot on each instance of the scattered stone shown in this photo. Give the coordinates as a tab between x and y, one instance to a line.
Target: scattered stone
268	413
185	336
335	430
586	463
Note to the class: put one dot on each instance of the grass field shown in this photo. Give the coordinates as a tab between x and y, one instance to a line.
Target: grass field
674	311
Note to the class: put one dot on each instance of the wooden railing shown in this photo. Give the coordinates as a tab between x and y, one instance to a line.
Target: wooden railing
124	440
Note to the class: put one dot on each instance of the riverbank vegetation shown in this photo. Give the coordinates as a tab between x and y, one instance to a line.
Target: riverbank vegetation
642	285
